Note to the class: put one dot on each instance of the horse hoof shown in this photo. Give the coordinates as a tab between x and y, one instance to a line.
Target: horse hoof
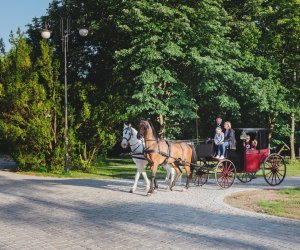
147	189
151	191
184	189
131	191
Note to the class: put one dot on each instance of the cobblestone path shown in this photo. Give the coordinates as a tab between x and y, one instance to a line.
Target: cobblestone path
52	213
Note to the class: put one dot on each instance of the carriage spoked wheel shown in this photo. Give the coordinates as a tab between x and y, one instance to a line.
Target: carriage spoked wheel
225	173
274	169
200	177
246	177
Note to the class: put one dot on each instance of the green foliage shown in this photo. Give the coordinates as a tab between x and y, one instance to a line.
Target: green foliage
92	127
159	59
23	125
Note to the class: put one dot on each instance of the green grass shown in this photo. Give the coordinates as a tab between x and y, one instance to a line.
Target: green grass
120	168
291	170
112	168
272	207
291	191
287	204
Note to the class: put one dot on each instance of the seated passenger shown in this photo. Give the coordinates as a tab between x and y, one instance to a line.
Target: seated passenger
229	137
247	144
219	141
254	144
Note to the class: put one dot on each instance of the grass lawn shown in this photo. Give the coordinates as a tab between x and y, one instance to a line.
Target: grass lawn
284	202
121	168
112	168
291	170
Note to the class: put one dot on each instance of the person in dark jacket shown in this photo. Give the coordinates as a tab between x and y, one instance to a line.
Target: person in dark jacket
219	123
229	137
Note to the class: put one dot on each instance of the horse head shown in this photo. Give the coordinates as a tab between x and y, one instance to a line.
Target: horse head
127	135
142	128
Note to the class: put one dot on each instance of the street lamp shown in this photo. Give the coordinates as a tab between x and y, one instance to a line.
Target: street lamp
65	33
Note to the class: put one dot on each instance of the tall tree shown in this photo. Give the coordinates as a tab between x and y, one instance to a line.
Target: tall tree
282	35
47	68
249	31
24	128
155	60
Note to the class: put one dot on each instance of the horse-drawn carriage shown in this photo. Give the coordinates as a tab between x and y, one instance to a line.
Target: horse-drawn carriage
241	162
199	161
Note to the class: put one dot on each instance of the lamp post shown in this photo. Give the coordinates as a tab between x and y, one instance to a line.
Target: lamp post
65	33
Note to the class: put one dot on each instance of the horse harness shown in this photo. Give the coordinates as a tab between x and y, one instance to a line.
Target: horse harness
132	153
167	154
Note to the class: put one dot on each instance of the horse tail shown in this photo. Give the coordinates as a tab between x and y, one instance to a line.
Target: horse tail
194	157
193	162
194	154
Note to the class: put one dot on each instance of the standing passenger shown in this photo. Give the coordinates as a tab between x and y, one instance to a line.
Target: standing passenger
217	124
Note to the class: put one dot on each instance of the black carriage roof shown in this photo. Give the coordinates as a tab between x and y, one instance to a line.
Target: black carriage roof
251	129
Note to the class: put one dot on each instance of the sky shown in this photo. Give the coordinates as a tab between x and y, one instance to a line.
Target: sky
16	14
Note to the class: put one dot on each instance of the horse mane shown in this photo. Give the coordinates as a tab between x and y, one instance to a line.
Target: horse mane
153	129
134	131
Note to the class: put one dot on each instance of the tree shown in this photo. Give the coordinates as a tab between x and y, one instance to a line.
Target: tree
282	36
155	61
24	128
47	68
251	32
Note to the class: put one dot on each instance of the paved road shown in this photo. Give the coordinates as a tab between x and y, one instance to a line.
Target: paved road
50	213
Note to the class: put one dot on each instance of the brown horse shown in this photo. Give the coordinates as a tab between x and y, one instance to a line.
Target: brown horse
159	151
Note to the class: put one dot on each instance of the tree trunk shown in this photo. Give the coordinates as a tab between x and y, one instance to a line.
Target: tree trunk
162	126
292	137
197	125
271	128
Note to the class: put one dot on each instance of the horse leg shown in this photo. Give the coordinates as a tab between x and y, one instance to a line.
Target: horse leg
178	173
136	179
153	178
155	184
167	179
146	181
188	173
172	175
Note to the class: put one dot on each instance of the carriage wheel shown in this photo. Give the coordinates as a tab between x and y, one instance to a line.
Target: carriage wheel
246	177
200	178
274	169
225	173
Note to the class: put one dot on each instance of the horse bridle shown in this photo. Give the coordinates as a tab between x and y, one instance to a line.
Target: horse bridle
146	126
147	150
130	134
128	139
